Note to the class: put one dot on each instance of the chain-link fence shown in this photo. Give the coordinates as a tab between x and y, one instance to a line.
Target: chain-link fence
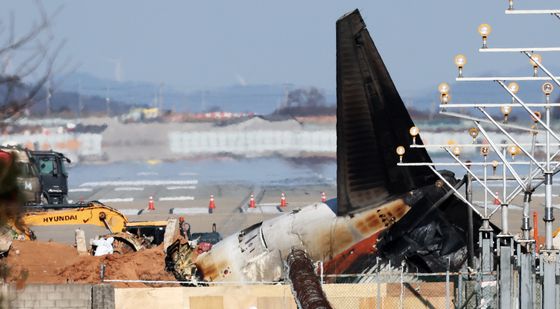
400	289
394	288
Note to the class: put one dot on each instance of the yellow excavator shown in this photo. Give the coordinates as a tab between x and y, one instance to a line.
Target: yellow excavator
129	236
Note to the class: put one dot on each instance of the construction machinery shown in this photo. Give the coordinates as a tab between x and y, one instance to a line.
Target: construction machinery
53	175
27	174
41	175
141	115
129	236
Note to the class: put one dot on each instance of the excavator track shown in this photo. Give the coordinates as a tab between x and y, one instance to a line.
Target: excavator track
122	247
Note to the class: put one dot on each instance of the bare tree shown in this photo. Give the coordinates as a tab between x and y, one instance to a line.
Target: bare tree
305	102
305	97
26	63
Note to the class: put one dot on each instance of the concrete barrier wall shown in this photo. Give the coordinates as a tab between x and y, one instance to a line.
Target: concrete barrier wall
79	144
104	296
314	141
252	142
256	296
52	296
62	296
425	295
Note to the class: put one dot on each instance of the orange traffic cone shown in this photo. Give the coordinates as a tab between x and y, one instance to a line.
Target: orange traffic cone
323	197
211	205
283	200
497	200
151	204
252	201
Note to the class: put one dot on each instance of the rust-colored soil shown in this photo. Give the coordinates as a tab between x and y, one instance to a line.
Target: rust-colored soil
49	262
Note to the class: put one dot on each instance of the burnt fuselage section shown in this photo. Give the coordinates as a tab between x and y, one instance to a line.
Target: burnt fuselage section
258	253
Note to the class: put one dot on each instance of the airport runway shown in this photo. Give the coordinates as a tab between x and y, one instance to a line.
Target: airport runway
177	192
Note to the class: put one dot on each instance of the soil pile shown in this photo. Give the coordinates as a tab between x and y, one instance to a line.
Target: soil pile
148	264
41	262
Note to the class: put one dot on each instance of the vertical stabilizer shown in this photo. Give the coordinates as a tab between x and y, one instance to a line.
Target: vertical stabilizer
371	122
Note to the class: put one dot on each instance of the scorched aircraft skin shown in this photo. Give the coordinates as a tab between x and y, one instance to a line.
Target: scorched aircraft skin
382	210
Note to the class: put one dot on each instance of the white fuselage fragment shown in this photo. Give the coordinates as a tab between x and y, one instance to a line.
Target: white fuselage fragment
258	253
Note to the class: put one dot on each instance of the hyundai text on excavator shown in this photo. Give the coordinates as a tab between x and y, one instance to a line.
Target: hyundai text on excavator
129	236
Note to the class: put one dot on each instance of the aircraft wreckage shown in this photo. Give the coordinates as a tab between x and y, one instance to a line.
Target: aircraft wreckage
396	213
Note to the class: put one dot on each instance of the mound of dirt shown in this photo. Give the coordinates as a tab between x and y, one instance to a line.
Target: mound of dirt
147	264
49	262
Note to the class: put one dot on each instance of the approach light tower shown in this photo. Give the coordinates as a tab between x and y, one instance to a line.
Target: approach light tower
528	164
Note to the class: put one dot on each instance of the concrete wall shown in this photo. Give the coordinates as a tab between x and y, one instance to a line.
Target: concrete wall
252	143
104	296
53	296
220	297
72	145
425	295
63	296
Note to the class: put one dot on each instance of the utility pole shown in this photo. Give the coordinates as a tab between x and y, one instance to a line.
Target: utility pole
107	102
79	99
48	99
160	97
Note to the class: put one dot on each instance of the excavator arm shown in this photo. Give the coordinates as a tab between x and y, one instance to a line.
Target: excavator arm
94	213
129	236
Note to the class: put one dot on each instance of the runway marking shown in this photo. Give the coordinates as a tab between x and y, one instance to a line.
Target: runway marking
481	203
80	190
116	200
181	188
147	174
189	211
542	195
131	211
262	209
129	189
188	174
492	206
268	204
139	183
176	198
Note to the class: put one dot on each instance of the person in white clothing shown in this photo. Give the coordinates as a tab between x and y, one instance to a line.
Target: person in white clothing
104	246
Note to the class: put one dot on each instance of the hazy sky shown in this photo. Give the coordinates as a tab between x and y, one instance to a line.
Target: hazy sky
207	44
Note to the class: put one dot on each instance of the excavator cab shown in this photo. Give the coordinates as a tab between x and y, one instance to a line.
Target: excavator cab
53	175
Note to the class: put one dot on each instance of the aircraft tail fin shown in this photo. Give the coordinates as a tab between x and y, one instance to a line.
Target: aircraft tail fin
372	121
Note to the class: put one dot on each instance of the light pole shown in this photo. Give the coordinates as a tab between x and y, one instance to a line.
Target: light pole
514	255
